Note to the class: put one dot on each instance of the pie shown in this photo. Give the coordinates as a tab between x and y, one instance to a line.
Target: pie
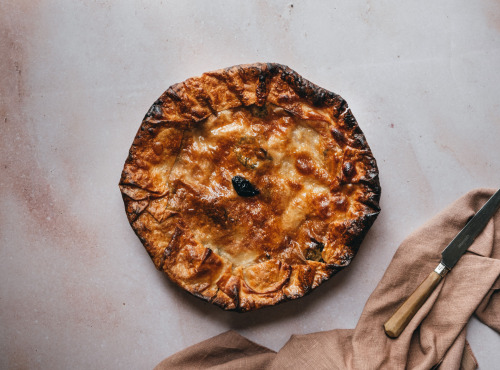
250	186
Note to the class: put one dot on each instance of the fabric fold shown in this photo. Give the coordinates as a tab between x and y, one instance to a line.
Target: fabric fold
435	338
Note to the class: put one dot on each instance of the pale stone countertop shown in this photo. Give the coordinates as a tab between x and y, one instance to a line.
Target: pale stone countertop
76	78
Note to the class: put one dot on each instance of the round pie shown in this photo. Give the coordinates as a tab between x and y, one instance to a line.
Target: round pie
249	186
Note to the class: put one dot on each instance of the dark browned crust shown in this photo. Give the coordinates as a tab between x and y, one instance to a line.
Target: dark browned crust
181	107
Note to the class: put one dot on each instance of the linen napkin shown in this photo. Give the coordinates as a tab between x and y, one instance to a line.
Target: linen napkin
435	338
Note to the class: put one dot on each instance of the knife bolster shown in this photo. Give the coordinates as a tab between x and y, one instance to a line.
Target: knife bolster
441	269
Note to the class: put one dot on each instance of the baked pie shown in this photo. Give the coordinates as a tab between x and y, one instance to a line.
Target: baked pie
250	186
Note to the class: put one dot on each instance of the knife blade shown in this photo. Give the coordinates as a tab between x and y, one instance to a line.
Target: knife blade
449	257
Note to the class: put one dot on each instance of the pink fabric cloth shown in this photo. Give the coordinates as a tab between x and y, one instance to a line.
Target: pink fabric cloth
434	338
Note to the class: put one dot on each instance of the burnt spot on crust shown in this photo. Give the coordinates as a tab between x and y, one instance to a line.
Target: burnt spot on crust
295	185
343	260
261	91
217	213
340	108
134	208
243	187
304	164
348	169
341	204
155	111
349	120
338	136
304	88
172	93
158	148
175	239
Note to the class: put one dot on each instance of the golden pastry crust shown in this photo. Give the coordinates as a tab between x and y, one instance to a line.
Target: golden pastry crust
250	186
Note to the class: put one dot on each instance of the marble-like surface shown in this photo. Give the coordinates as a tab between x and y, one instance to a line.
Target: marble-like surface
77	289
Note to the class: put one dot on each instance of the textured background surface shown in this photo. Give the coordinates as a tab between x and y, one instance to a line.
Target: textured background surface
77	289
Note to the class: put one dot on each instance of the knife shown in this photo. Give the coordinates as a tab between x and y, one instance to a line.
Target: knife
449	257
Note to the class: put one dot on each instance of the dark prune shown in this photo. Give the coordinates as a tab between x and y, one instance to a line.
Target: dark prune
348	169
244	187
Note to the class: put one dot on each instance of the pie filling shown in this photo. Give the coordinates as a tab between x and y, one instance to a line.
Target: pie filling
256	184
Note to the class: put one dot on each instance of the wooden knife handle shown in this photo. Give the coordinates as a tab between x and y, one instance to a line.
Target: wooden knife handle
398	321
